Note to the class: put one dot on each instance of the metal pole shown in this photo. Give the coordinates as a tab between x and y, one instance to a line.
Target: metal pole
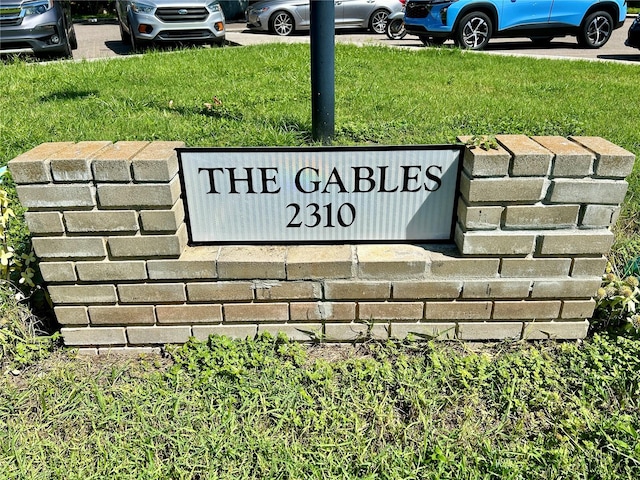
322	17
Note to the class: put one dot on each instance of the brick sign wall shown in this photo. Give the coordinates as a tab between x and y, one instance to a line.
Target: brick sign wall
533	225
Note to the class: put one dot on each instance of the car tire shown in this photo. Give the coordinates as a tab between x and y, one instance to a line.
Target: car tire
395	29
473	31
378	21
73	40
281	23
124	36
137	46
596	30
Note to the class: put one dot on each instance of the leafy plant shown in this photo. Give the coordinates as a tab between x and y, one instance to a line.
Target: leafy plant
12	264
617	302
485	142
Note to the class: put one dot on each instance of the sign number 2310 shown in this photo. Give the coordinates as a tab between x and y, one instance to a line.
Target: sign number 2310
313	215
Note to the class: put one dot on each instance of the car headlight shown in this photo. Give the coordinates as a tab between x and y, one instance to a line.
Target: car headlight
37	8
142	7
214	7
258	11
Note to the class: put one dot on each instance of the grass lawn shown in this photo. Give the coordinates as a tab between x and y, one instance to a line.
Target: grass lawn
267	408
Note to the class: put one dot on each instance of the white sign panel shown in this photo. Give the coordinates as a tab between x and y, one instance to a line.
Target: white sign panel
319	195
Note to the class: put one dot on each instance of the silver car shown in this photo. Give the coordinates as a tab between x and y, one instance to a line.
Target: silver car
147	21
283	17
39	27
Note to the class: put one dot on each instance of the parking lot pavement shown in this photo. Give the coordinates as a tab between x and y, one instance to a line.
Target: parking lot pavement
102	40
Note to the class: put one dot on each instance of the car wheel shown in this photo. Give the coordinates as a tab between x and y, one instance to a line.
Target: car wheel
395	29
124	36
378	21
596	30
137	46
474	31
281	23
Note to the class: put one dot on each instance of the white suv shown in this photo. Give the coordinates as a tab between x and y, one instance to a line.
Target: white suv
147	21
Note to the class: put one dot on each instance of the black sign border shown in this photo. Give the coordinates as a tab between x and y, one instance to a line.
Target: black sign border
456	146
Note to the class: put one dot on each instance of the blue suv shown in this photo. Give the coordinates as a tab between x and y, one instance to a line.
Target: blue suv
472	23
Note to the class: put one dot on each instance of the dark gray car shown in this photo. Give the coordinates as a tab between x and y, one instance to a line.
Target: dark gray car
38	27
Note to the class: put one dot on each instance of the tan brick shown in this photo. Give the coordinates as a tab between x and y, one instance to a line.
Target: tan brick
427	289
447	262
323	311
315	262
147	246
353	332
498	190
71	315
570	159
535	267
202	332
345	289
496	288
392	261
158	335
87	352
176	314
72	164
555	330
570	288
577	309
44	223
56	196
82	294
101	221
219	291
541	216
32	166
122	315
58	272
299	333
139	195
611	160
588	267
599	215
390	311
494	242
479	218
606	192
478	162
251	312
576	242
93	336
69	247
152	293
423	331
522	310
529	158
252	262
111	271
194	263
157	162
274	290
113	163
489	330
457	310
163	220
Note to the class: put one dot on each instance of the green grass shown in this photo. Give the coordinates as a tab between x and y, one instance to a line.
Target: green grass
270	409
267	408
383	96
